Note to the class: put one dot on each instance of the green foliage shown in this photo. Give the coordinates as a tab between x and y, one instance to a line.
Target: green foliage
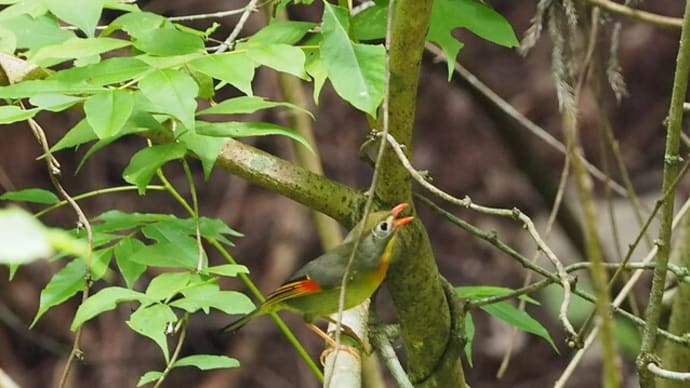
145	75
502	310
31	195
356	70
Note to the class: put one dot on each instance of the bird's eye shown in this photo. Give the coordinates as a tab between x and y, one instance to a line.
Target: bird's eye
382	229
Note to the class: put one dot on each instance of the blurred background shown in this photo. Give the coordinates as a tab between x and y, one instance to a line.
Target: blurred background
463	142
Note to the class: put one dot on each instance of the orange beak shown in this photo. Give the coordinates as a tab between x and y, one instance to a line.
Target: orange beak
398	222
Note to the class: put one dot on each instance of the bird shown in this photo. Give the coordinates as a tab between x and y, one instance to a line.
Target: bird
314	290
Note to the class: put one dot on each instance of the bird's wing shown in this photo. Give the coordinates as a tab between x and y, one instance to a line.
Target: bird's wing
326	270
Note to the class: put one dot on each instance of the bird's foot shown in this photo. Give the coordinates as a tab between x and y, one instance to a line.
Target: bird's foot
340	348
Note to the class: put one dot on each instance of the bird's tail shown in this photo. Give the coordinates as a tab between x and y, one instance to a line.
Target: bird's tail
236	325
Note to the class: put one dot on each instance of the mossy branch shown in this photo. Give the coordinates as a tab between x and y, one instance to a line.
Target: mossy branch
310	189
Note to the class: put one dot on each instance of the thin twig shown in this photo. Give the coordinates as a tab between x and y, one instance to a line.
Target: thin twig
53	173
643	16
195	215
381	341
230	40
672	161
211	15
622	294
182	328
514	213
94	193
558	200
491	238
668	374
520	119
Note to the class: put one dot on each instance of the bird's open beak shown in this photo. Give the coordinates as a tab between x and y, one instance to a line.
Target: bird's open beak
395	212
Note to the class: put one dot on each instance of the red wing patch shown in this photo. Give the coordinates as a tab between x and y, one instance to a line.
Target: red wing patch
293	289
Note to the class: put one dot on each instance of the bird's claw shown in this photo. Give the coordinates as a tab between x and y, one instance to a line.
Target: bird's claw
344	348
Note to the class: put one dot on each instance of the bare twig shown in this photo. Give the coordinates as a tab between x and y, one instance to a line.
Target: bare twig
491	238
643	16
54	172
195	215
521	119
213	15
514	213
622	294
668	374
230	40
381	340
672	161
182	328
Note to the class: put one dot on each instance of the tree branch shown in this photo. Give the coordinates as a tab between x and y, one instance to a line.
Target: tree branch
672	161
315	191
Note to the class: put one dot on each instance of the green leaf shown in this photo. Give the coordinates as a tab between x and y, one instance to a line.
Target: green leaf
229	270
234	68
31	195
314	67
206	148
8	41
44	31
116	220
136	24
167	254
204	296
22	238
36	87
281	32
172	92
105	300
168	42
81	13
12	113
281	57
108	71
469	331
167	285
79	134
54	102
370	24
356	70
75	48
31	7
130	270
149	377
520	319
207	362
108	112
144	163
138	122
232	302
447	15
246	105
100	262
478	292
70	243
152	322
248	128
63	285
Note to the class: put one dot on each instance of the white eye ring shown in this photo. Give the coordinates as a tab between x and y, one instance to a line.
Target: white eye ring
383	229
